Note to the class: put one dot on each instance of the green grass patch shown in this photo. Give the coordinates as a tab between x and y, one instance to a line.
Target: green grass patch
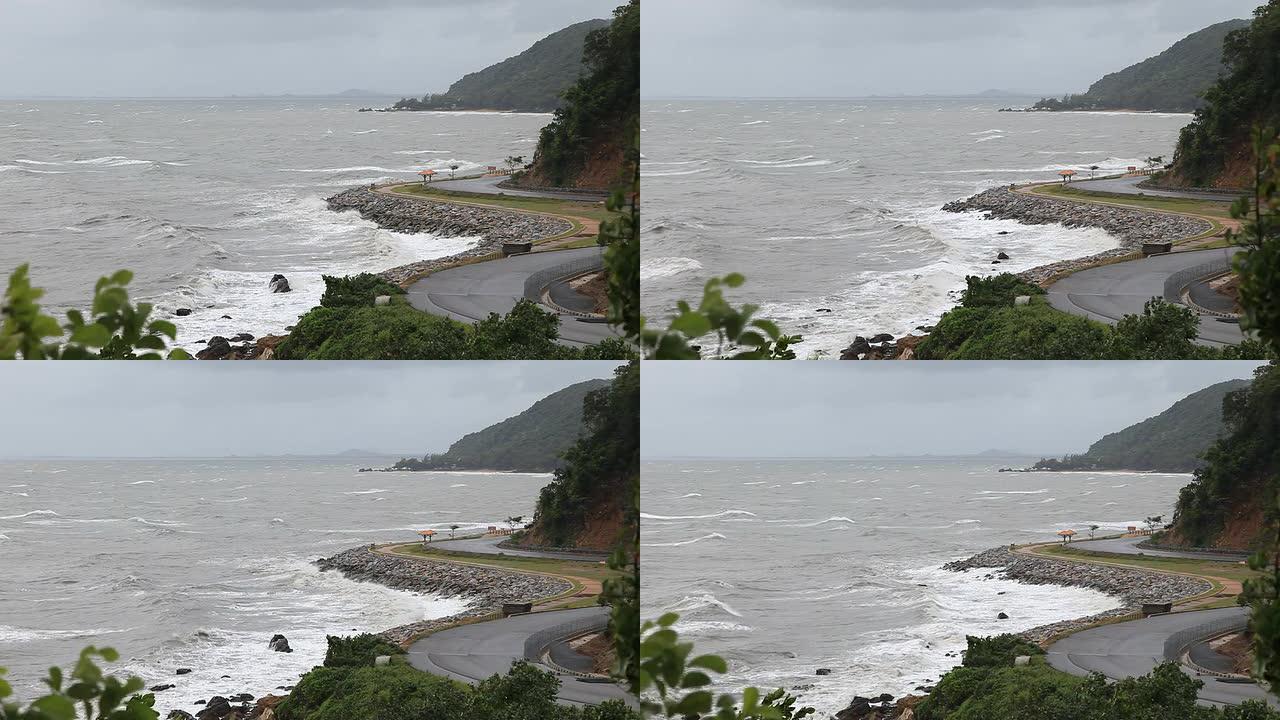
1207	569
552	206
1208	208
576	568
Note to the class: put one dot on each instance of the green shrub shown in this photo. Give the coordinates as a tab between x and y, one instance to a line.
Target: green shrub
357	650
356	290
998	650
996	291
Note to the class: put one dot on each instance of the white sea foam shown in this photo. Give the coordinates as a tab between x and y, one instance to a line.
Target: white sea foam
661	267
33	513
366	492
721	514
681	543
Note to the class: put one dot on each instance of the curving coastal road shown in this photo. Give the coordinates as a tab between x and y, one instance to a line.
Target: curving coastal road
1109	292
471	653
1132	649
469	293
1129	546
1129	186
489	546
488	185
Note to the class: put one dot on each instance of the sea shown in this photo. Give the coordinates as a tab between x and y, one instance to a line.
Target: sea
206	199
785	566
196	563
831	208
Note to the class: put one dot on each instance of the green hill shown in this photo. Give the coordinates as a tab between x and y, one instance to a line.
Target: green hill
1216	150
532	441
1172	81
529	82
1169	442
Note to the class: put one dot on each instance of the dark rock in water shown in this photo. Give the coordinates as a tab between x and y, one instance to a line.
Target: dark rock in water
182	671
995	262
226	317
1003	232
215	710
226	677
280	643
218	348
824	310
1002	616
182	312
882	337
859	347
179	715
242	337
279	284
161	688
241	698
884	698
824	671
1002	255
201	702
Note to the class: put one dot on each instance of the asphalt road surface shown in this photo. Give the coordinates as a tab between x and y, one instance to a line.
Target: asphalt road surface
471	653
1129	546
489	546
489	186
1129	186
468	293
1110	292
1134	648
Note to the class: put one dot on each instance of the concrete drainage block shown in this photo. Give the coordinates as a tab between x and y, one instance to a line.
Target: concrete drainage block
382	300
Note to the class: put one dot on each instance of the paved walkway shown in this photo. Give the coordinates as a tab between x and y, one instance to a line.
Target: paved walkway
471	653
1109	292
469	293
1134	648
1129	546
1129	186
489	546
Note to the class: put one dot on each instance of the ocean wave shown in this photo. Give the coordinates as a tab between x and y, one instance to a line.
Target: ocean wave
817	523
1014	492
366	492
722	513
10	633
421	152
660	267
112	161
33	513
363	132
755	122
673	173
694	603
689	495
988	137
681	543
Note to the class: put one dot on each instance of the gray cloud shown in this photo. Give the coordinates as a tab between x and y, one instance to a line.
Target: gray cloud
813	48
216	47
216	409
829	409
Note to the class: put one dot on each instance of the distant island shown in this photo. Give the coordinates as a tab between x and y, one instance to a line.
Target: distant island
532	81
1173	81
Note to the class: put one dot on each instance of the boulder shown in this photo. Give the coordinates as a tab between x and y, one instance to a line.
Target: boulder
859	347
217	349
1002	256
279	284
382	300
179	715
1002	616
279	643
241	698
183	671
161	688
242	337
216	709
824	671
182	312
882	337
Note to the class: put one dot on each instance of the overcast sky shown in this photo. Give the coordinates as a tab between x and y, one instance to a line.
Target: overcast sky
833	409
224	47
142	409
849	48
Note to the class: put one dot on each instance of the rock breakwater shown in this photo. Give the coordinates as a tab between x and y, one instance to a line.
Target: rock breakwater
1131	226
1131	585
487	587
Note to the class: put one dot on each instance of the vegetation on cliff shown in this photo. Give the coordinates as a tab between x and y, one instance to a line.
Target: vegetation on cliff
588	142
1215	149
1232	499
588	502
1172	441
532	81
1172	81
532	441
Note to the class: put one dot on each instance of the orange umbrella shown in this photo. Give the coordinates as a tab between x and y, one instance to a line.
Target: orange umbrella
427	534
426	174
1066	534
1066	174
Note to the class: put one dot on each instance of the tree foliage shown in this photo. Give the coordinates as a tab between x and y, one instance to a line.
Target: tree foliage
90	694
1259	264
1247	94
603	105
737	333
357	650
356	290
115	329
599	468
1241	468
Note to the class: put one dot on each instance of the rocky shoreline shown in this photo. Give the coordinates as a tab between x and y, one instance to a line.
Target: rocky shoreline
486	587
1132	226
1132	586
412	215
